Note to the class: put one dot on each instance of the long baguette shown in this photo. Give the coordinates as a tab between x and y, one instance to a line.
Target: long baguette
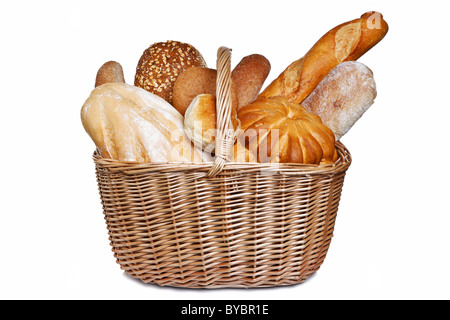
346	42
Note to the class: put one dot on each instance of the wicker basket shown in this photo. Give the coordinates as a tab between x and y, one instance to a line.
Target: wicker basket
221	223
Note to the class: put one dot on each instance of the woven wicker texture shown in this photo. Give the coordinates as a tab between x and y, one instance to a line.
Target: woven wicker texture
221	224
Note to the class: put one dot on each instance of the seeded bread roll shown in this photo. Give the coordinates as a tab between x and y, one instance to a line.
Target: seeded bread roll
161	64
195	81
109	72
249	76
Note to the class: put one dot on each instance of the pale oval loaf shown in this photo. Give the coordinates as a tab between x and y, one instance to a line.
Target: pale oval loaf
343	96
249	76
128	123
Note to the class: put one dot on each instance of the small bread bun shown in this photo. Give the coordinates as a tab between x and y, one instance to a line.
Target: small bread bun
200	121
249	76
195	81
109	72
161	63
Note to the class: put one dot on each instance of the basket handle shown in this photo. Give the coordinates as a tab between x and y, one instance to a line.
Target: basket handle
225	134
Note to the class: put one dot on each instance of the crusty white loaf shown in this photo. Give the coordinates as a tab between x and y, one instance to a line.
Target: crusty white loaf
343	96
128	123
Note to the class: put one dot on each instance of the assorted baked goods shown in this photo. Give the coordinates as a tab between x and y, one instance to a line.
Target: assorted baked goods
169	114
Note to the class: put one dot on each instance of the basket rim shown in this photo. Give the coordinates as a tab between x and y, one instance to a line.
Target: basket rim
131	167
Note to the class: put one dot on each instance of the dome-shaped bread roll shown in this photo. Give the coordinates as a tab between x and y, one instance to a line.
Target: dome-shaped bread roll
278	131
200	121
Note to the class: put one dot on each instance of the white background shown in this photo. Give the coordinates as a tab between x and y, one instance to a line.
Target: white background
391	237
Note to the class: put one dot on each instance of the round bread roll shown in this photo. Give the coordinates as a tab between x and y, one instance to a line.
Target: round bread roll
278	131
195	81
161	63
200	121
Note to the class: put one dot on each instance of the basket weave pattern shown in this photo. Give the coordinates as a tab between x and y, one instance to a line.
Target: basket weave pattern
245	225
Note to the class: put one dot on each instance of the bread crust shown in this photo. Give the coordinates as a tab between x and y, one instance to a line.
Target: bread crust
161	64
278	131
109	72
346	42
343	96
249	76
200	121
195	81
128	123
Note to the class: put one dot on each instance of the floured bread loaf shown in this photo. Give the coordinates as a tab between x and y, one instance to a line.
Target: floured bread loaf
128	123
343	96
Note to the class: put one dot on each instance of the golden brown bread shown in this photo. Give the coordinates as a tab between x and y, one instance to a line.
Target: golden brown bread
343	96
346	42
241	153
195	81
278	131
109	72
128	123
161	64
200	121
249	76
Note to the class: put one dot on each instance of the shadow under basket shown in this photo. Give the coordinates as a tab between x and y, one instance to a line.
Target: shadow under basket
220	224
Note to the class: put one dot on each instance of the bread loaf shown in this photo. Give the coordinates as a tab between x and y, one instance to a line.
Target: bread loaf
128	123
195	81
249	76
343	96
161	64
278	131
200	121
346	42
241	153
109	72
